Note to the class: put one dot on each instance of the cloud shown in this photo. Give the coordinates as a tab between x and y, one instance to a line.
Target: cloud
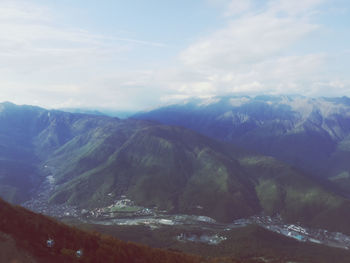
236	7
293	7
45	61
27	44
253	37
246	40
20	11
254	53
259	48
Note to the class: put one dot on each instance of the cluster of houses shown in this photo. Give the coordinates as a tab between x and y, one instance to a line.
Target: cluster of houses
297	232
208	239
276	224
111	210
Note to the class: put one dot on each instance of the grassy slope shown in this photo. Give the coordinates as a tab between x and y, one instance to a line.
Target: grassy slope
9	252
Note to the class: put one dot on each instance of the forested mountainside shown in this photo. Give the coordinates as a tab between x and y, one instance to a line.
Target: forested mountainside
93	160
309	133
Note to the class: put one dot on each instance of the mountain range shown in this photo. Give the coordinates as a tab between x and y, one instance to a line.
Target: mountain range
96	159
312	134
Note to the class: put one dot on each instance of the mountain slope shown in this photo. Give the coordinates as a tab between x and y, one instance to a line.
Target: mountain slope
168	167
183	172
302	131
28	135
94	160
10	252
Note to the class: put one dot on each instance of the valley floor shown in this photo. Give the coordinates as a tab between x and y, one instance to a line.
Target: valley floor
124	213
190	229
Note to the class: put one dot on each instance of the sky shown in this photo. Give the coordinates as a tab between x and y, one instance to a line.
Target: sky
136	54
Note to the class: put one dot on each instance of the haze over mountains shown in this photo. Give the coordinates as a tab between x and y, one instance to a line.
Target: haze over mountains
96	159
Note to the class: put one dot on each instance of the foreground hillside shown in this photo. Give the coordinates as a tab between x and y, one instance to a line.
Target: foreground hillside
92	161
24	236
30	232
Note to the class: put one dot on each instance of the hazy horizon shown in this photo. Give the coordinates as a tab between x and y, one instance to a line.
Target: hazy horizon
115	112
134	55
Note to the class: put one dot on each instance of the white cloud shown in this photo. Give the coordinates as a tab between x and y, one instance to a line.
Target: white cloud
52	64
20	11
252	54
29	45
236	7
44	61
247	40
293	7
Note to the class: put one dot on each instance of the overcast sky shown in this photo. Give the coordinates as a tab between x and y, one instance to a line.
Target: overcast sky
136	54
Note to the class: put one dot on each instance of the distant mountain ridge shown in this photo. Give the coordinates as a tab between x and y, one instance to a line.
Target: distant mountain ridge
122	114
